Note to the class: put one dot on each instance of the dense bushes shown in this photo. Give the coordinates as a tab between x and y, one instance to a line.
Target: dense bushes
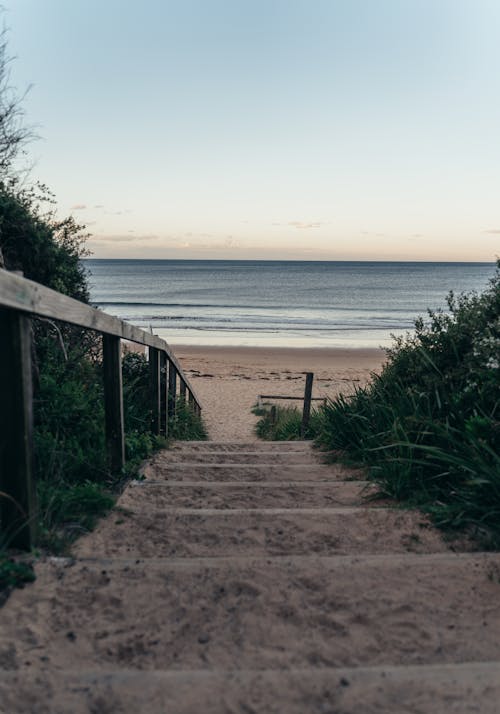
428	427
34	241
74	483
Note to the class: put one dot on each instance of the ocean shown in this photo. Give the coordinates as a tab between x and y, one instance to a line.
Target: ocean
278	303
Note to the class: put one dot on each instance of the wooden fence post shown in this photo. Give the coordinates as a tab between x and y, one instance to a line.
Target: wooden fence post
113	401
154	389
172	389
307	403
17	497
163	394
182	389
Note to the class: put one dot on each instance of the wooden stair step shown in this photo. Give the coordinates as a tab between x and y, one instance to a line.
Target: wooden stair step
235	446
246	472
257	613
237	457
147	532
215	494
458	688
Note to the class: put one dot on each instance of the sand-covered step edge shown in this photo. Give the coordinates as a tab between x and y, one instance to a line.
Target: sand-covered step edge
209	494
287	564
228	485
238	457
206	533
251	472
269	615
262	445
459	688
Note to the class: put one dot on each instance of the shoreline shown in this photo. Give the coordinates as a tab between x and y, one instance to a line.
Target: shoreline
271	348
229	380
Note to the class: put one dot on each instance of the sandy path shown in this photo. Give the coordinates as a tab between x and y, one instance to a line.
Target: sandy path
228	380
252	578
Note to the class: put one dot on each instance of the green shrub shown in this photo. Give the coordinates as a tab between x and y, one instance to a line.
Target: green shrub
284	423
69	419
68	509
186	425
72	473
14	573
428	427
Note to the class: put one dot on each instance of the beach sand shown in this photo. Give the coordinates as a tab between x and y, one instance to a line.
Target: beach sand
228	380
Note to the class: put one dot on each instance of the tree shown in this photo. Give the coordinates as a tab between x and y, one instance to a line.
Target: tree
14	134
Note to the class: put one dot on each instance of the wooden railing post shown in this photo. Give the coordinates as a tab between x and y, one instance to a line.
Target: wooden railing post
154	389
163	394
307	403
172	389
182	389
17	497
113	401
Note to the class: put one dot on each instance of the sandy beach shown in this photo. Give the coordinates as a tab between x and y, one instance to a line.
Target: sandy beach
228	380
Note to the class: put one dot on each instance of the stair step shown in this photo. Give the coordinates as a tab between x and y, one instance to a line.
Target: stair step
260	532
166	494
459	688
237	457
261	613
247	472
235	446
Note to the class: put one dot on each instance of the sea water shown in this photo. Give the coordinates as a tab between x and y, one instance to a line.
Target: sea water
278	303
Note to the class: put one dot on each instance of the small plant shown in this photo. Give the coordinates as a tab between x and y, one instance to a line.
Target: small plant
67	510
14	573
186	425
283	423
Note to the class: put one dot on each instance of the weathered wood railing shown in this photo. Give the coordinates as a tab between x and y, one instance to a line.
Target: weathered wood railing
307	398
20	301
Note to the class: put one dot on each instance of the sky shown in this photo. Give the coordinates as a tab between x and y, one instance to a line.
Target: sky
267	129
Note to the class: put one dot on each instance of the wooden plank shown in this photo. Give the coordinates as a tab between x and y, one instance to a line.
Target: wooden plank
307	403
17	497
154	390
280	396
32	298
113	402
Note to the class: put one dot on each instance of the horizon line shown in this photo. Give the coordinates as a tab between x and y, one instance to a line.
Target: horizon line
298	260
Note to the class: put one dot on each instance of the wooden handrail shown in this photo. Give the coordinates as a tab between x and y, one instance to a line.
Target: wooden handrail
22	299
34	299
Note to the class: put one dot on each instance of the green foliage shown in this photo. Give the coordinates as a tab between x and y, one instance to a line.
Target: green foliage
137	414
34	241
69	412
68	509
283	424
186	425
72	474
428	427
14	574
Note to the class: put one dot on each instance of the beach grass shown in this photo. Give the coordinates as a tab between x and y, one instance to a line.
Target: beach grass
74	484
279	423
427	428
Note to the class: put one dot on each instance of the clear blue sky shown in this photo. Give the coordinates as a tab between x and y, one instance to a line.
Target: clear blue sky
313	129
